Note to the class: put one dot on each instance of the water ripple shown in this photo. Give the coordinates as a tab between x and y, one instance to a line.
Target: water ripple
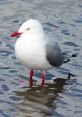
5	53
60	97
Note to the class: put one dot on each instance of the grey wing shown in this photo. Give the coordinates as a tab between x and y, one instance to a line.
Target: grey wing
54	54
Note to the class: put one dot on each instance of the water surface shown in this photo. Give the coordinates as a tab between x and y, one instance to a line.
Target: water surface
61	96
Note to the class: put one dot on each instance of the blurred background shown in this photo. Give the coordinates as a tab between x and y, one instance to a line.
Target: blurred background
61	96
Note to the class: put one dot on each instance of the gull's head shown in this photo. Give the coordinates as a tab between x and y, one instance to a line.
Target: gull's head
31	25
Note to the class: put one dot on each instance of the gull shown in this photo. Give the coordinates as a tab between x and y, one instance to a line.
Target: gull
36	50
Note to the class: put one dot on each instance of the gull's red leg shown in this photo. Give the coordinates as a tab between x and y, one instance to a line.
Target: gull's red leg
31	81
43	78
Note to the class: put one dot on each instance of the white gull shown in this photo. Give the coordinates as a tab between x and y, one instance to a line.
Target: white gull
35	49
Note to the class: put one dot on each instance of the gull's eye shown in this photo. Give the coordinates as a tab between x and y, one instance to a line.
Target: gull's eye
28	29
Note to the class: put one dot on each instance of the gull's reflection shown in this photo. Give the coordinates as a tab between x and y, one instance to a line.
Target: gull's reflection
38	102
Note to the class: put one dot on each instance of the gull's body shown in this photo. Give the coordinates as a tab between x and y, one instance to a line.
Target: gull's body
30	50
35	49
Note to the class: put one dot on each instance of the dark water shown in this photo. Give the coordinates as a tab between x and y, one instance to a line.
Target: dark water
61	97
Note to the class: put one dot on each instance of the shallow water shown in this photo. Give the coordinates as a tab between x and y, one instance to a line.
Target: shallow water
61	96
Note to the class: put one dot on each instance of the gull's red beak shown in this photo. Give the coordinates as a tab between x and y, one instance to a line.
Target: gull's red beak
15	34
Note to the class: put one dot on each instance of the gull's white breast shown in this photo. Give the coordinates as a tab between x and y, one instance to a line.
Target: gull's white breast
31	51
